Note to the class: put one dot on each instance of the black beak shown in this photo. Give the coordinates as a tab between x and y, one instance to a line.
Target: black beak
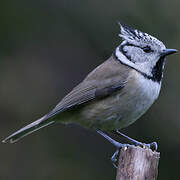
167	52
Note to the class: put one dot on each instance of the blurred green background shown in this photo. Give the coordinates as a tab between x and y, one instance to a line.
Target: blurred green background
47	47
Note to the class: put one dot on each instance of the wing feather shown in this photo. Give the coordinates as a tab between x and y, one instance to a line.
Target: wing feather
97	85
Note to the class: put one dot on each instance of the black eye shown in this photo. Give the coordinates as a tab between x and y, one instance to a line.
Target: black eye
147	49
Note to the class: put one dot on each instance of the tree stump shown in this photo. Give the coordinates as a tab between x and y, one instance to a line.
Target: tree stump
136	163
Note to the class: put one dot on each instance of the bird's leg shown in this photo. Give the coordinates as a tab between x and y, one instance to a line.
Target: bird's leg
116	144
137	143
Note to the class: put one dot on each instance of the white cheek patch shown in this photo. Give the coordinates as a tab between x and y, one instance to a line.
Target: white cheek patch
142	67
121	57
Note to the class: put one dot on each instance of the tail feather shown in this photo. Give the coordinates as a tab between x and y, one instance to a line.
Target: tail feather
40	123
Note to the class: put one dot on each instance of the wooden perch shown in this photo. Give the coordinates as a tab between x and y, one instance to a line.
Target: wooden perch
136	163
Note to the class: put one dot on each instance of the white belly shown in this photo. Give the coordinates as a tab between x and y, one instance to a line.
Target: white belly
124	107
141	95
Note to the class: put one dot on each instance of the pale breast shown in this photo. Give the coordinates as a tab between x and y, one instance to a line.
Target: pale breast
124	107
142	93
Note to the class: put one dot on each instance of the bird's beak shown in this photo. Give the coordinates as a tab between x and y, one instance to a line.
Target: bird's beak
166	52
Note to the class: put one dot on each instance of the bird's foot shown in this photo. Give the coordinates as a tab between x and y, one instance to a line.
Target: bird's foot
152	145
118	145
114	157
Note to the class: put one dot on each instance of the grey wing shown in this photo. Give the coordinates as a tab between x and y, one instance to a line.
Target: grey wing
97	85
85	93
76	97
109	77
80	96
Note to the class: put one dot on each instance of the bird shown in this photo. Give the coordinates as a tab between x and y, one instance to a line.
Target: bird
116	93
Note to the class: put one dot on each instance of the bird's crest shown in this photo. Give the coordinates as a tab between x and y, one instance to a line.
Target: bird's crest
132	35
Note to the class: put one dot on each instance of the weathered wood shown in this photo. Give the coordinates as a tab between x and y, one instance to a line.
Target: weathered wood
136	163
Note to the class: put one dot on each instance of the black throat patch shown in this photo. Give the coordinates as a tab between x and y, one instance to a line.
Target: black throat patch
157	71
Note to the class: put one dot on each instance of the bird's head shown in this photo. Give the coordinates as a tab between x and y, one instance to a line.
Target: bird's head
142	52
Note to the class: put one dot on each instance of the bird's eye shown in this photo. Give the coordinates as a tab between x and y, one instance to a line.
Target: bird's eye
147	49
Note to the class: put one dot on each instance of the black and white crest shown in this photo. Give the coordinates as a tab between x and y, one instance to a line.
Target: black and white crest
136	36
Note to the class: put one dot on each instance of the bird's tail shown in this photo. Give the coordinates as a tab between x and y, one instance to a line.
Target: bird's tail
40	123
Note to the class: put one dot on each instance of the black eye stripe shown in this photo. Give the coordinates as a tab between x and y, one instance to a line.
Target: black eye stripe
146	49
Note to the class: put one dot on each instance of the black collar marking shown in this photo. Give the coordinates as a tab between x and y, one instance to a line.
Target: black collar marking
124	52
157	71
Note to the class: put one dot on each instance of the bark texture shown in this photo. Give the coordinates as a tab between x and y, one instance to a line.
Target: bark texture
136	163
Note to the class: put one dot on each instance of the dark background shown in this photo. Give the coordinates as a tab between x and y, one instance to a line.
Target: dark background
46	48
